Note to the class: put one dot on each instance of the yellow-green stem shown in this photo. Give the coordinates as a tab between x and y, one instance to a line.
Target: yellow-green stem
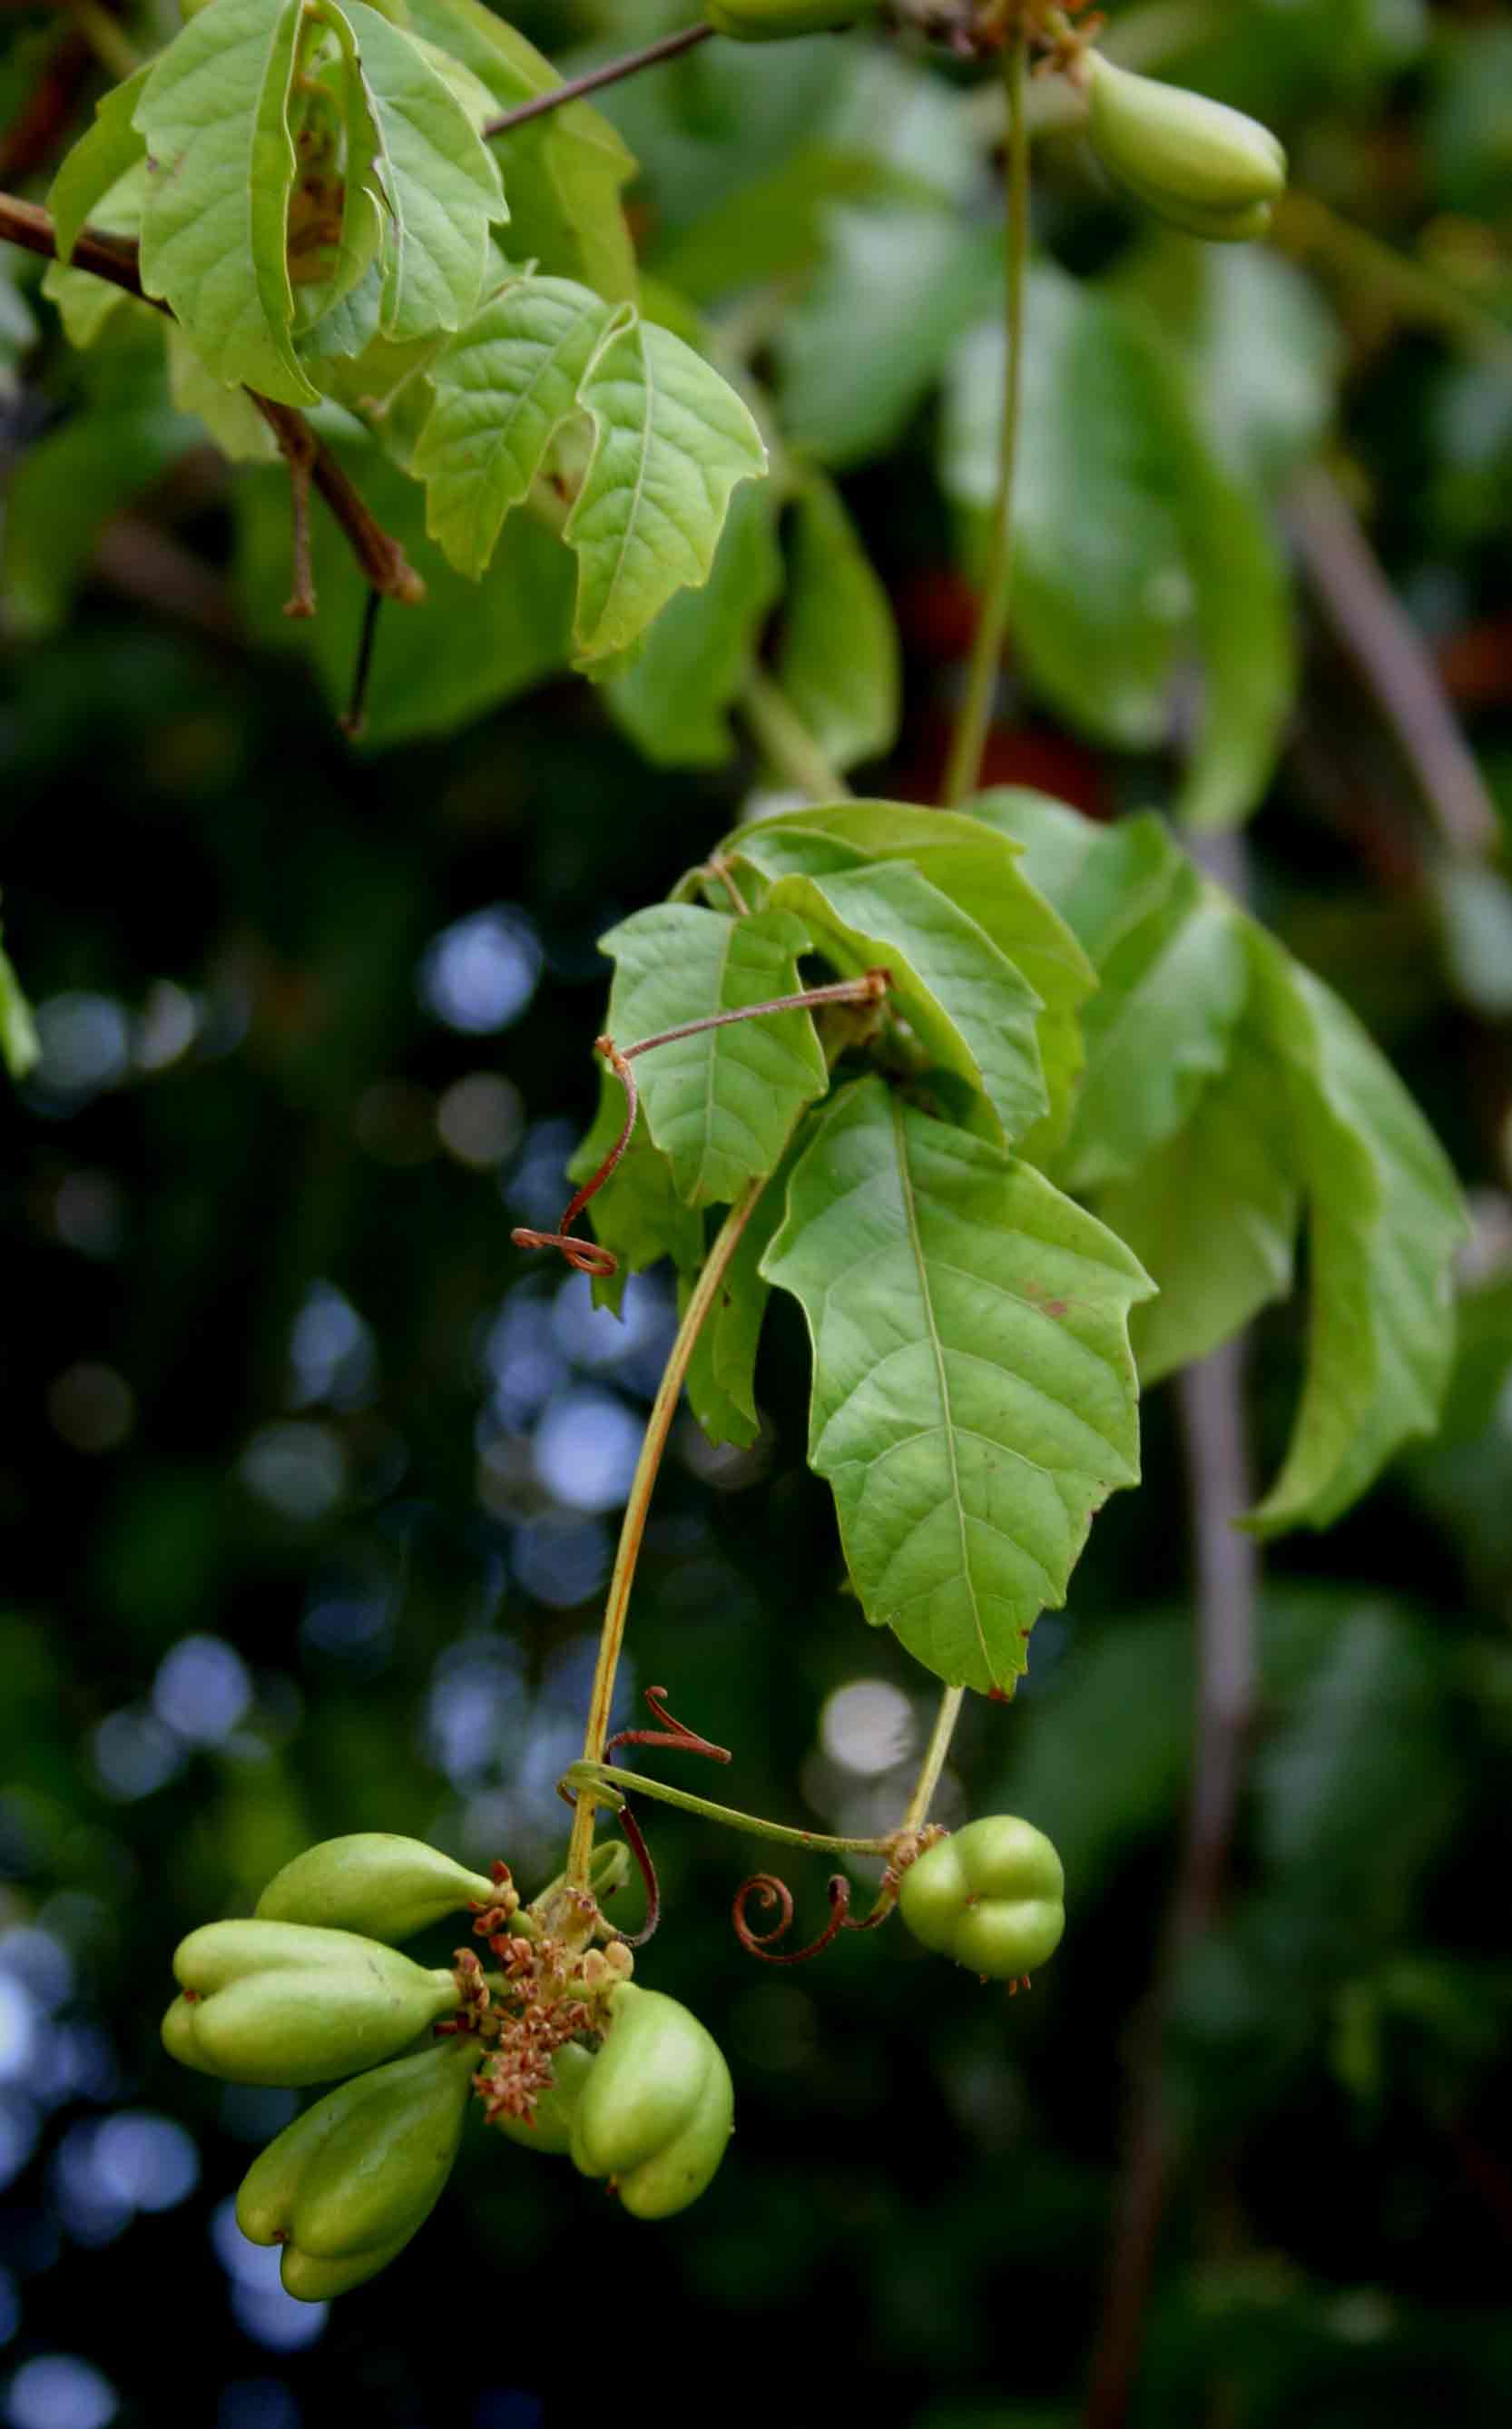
110	44
591	1776
934	1759
964	765
658	1426
787	742
1421	296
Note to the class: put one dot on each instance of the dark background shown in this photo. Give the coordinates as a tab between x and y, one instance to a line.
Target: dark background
310	1481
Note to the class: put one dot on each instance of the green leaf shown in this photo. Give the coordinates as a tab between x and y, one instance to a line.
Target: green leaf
859	352
19	1046
337	144
1172	973
1102	589
565	169
690	667
468	649
228	413
1299	1100
503	389
721	1105
721	1379
1384	1219
1263	351
1243	600
1212	1215
97	164
1135	546
439	179
671	441
973	1012
974	1391
1160	1025
883	129
214	111
840	663
637	1215
978	870
86	304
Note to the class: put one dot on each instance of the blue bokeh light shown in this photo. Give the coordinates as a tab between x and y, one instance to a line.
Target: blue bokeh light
59	2391
203	1690
478	975
585	1449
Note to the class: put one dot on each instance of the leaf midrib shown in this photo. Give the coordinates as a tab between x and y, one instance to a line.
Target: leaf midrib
911	1217
647	388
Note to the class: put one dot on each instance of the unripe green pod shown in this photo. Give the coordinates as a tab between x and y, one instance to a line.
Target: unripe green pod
780	21
991	1897
345	2187
1179	152
372	1882
287	2004
657	2109
1215	227
552	2131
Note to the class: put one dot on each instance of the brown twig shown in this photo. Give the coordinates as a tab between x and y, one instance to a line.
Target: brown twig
594	79
114	260
1393	660
300	603
354	715
1227	1580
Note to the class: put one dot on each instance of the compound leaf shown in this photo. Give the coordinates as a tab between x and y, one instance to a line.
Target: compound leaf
503	389
671	441
215	113
439	179
974	1013
720	1104
974	1391
1384	1220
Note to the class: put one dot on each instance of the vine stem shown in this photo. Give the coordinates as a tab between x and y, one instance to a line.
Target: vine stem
934	1759
632	1528
1226	1578
614	72
110	43
787	742
114	260
964	766
605	1778
1309	229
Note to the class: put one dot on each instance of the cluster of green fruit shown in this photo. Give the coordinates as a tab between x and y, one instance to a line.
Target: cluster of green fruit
311	1989
569	2055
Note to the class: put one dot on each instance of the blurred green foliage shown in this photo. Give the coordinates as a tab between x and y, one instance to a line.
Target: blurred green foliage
310	1478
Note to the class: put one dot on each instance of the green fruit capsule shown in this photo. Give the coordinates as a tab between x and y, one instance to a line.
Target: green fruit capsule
345	2187
372	1882
1177	151
780	21
991	1897
551	2132
656	2110
285	2002
1214	227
